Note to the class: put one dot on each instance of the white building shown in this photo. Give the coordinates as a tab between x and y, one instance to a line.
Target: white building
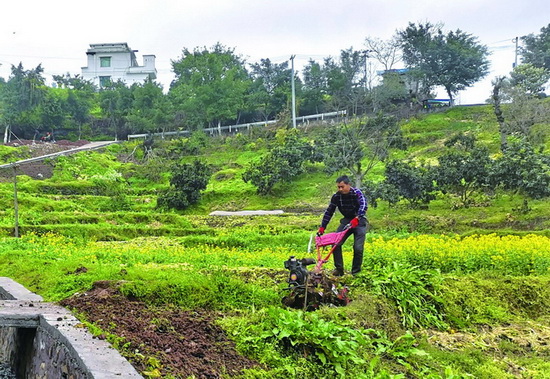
110	62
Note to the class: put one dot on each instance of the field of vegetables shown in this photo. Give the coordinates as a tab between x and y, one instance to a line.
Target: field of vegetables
426	306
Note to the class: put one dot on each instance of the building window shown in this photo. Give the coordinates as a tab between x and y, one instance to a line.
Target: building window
105	61
104	81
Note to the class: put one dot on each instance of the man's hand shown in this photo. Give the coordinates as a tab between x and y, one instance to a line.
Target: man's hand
320	231
354	222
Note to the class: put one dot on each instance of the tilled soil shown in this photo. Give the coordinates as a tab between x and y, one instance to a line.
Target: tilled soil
187	343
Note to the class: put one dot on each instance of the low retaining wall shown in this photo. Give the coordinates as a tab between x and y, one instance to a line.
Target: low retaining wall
44	340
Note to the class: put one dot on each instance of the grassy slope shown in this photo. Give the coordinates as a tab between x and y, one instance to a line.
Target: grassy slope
427	134
86	188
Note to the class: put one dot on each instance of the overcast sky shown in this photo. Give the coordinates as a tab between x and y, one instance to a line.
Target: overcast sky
57	33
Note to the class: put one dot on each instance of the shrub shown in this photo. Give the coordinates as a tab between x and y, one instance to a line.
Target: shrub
185	185
282	164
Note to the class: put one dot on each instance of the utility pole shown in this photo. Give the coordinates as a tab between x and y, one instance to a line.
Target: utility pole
365	56
15	204
516	58
293	94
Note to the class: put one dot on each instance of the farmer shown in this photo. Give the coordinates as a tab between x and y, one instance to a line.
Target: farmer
352	204
47	137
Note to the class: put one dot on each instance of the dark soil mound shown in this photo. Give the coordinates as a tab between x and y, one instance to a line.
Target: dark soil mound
187	343
40	169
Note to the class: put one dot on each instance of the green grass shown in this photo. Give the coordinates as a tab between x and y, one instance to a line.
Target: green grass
234	265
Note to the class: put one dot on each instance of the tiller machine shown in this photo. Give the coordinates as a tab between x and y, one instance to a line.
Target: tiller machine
308	289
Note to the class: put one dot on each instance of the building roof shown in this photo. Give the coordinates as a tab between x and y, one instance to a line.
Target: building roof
119	47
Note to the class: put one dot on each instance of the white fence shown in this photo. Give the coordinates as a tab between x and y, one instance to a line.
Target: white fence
234	128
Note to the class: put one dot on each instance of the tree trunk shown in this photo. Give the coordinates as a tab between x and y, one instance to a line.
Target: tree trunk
497	85
451	100
6	134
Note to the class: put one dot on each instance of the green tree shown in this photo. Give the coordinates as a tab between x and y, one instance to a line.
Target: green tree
391	93
529	78
186	183
338	83
314	90
283	163
464	168
74	82
345	81
151	110
411	182
53	109
524	115
454	60
210	86
81	101
522	170
271	88
116	102
535	49
21	96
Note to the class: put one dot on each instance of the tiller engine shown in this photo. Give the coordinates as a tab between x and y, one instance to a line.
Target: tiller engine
309	289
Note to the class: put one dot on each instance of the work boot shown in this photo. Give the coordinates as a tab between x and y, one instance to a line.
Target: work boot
337	272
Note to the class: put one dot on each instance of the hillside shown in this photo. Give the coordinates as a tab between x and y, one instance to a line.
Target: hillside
446	291
112	193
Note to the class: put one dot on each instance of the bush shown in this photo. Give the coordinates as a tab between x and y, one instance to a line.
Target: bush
410	182
282	164
185	185
522	170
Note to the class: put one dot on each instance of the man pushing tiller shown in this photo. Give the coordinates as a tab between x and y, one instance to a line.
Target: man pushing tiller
310	289
352	204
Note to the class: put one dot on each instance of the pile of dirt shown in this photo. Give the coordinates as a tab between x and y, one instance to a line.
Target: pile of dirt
187	343
40	169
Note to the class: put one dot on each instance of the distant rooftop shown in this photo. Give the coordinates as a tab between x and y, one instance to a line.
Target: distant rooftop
109	48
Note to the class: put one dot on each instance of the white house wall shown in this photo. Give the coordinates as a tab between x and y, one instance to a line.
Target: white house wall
123	65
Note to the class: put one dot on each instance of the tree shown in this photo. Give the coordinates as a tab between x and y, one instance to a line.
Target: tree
81	99
75	82
116	102
464	169
22	95
536	48
411	182
359	146
150	110
529	78
345	80
525	115
521	169
186	184
53	109
454	60
271	88
314	90
391	93
282	164
210	85
385	52
338	83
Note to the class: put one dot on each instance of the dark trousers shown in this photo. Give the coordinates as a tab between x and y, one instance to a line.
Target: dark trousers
359	233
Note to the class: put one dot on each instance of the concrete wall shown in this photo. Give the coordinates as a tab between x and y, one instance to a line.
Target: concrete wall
45	341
